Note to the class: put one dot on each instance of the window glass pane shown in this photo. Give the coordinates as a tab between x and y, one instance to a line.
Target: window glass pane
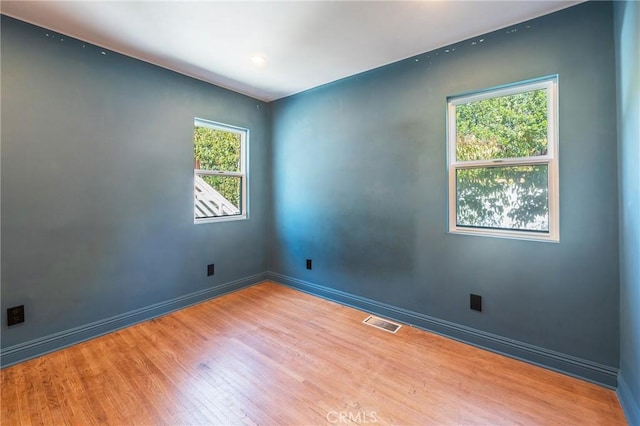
217	196
215	149
514	197
502	127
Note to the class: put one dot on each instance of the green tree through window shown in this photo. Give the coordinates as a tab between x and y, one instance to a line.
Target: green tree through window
502	167
504	127
219	170
218	150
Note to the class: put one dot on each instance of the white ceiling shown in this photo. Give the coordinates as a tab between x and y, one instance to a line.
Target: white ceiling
304	43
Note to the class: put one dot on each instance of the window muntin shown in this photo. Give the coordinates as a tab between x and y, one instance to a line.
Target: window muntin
502	161
220	177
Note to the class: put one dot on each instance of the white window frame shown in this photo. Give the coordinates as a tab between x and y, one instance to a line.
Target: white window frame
550	159
242	174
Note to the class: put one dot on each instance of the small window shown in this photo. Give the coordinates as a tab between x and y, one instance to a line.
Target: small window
503	162
220	171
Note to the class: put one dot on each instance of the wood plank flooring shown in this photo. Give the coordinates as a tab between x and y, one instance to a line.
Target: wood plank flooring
270	355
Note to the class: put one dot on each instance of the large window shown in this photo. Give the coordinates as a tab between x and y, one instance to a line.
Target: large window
220	171
503	162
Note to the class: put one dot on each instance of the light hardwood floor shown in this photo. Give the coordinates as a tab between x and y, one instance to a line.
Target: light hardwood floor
270	355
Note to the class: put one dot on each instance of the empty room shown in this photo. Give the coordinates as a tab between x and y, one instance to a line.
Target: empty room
320	212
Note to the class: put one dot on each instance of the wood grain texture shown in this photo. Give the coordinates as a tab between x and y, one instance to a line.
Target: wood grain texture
270	355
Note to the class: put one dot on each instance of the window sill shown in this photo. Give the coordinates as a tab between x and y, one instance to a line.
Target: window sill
511	235
220	219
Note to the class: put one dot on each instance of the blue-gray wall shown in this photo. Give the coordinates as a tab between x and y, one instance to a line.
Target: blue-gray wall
627	35
97	190
360	186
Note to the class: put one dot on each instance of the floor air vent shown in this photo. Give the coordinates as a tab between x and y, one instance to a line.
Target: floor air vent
382	324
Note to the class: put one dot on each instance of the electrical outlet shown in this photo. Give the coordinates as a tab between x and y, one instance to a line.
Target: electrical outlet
210	270
309	264
476	302
15	315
